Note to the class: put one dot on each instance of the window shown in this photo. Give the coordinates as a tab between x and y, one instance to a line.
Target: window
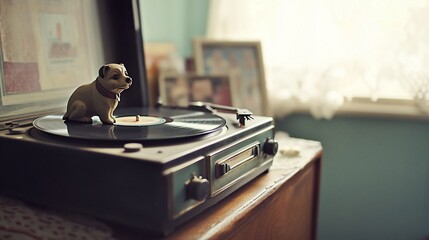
325	53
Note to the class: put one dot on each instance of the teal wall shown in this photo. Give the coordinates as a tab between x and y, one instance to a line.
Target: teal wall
375	174
176	21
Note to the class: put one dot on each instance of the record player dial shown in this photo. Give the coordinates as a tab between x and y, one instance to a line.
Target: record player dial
271	147
197	188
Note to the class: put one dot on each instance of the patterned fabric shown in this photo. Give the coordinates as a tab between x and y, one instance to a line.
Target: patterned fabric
21	221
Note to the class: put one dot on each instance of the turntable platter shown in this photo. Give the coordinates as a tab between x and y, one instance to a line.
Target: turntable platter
164	124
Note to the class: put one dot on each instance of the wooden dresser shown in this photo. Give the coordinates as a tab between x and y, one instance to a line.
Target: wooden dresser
281	204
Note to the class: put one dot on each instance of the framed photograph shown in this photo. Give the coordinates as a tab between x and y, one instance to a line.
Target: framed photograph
243	62
181	89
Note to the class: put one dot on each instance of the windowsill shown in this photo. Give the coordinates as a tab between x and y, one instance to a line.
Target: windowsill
384	107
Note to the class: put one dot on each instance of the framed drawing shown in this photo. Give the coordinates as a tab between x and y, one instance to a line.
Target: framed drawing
42	45
181	89
242	60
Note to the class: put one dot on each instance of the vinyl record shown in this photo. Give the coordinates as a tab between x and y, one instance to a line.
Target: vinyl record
162	124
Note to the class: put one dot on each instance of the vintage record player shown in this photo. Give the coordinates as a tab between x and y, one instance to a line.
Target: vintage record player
152	177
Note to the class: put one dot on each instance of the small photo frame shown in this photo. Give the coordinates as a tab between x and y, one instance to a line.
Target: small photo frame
157	59
242	60
181	89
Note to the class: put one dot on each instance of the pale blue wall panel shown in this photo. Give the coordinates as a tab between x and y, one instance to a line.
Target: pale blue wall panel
375	176
175	21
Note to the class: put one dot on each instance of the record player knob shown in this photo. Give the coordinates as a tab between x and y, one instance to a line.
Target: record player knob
197	188
271	146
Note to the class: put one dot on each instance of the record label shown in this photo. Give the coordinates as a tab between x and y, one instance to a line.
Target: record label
138	120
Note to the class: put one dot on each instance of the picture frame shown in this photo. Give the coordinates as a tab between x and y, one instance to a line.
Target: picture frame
243	61
40	57
181	89
156	54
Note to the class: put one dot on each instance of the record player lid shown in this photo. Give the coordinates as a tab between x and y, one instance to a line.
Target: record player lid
43	61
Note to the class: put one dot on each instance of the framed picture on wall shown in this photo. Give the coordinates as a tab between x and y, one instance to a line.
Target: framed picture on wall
181	89
242	60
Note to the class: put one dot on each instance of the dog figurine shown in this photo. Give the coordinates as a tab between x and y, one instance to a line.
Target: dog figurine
99	98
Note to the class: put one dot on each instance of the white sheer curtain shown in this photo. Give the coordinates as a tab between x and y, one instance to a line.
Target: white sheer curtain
321	53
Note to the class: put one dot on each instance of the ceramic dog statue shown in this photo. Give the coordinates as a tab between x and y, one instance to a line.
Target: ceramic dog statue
99	98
